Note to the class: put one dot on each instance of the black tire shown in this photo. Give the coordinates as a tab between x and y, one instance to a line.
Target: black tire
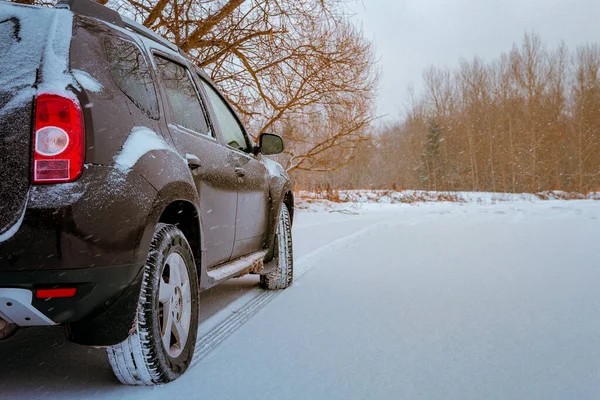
282	274
143	359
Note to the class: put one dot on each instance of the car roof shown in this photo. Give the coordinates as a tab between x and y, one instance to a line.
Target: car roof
128	26
95	10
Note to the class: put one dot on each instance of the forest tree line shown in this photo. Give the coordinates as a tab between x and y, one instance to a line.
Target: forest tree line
528	121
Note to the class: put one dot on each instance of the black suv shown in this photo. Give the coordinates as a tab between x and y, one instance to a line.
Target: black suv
127	186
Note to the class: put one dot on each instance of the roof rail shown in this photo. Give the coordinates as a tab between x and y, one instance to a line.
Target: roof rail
142	30
92	9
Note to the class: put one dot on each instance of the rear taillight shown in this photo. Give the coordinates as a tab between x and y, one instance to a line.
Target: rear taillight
58	140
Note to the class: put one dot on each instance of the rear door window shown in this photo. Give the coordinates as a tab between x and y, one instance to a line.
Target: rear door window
132	75
183	96
231	129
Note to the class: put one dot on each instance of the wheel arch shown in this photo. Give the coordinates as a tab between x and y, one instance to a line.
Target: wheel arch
288	200
185	216
176	204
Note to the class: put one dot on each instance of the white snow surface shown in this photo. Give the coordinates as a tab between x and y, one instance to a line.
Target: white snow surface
44	34
140	141
57	195
87	81
392	301
273	167
55	62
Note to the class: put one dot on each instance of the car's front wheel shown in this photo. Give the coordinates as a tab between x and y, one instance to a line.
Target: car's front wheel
162	346
282	272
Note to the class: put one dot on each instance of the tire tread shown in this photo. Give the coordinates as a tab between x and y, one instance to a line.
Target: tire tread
282	275
137	361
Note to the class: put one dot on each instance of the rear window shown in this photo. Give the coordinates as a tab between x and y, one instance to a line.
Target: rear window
132	75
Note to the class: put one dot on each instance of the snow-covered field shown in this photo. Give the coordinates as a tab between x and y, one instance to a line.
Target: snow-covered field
422	196
479	300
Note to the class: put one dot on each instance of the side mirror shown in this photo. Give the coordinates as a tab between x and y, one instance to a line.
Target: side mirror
270	144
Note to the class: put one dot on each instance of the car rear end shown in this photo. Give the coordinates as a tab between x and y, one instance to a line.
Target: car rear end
70	224
23	45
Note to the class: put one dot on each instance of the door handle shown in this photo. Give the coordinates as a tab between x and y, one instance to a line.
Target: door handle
193	161
240	171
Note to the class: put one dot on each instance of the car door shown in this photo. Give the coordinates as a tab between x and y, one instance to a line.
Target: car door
252	183
195	139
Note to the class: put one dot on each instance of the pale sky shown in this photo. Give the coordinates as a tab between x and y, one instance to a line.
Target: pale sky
410	35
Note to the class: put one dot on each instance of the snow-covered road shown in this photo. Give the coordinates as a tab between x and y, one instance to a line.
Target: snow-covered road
430	301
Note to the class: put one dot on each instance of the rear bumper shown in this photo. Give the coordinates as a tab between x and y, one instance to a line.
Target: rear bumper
97	290
102	313
16	306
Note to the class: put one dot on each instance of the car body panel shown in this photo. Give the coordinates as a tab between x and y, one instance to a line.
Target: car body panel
253	200
214	181
252	206
88	223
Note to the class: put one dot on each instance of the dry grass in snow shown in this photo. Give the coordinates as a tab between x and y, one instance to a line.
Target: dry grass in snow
331	197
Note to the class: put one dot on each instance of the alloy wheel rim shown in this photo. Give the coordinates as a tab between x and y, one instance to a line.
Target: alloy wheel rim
175	305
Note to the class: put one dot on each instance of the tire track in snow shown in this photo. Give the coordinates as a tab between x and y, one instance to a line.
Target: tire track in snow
210	340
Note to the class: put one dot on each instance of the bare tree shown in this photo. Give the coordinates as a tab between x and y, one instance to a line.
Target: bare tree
527	121
279	61
586	90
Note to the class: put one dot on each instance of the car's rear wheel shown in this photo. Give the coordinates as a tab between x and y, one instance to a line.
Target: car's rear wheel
162	346
282	273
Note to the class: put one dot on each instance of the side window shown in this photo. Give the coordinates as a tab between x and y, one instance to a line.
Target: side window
130	72
230	127
182	94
